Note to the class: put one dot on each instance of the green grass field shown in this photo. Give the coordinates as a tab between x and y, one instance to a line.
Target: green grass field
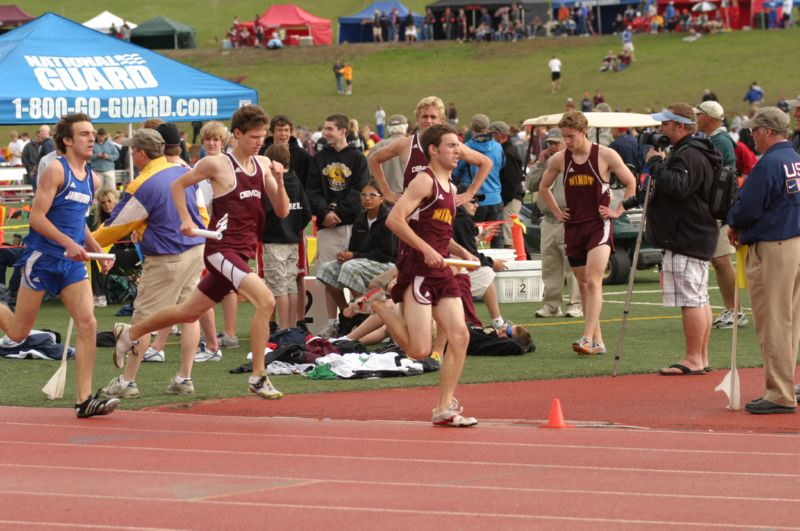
654	339
508	81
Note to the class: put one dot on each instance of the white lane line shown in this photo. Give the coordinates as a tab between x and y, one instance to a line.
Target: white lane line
417	512
294	482
460	462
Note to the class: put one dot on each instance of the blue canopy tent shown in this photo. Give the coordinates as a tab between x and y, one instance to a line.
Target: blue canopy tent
60	67
358	27
605	11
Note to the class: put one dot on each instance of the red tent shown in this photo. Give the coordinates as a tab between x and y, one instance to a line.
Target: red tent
11	15
297	23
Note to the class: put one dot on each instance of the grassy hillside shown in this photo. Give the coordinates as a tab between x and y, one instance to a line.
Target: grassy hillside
508	81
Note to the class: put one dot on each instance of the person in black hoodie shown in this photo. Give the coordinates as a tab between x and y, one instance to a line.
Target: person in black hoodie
337	174
679	221
371	251
481	280
281	238
280	127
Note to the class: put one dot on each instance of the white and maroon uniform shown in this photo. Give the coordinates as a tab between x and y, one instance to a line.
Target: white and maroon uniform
239	215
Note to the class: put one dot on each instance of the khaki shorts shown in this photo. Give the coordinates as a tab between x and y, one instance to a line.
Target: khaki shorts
724	248
480	280
332	241
280	268
167	280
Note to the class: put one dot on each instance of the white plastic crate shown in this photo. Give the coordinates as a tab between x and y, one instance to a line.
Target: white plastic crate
522	282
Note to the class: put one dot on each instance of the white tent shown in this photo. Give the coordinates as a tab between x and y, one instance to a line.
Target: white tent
104	20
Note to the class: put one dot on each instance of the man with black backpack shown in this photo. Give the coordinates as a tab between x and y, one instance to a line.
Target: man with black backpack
709	123
679	220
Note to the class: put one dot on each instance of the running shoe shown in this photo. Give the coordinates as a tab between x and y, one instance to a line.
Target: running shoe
115	389
203	355
547	312
575	313
184	387
124	344
228	341
95	406
452	417
153	355
582	346
725	320
597	348
264	388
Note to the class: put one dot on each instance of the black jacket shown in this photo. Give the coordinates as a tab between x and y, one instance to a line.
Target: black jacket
376	243
299	158
511	175
334	182
679	218
288	229
464	233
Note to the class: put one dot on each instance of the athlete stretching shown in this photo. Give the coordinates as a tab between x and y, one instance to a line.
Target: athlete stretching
239	181
430	111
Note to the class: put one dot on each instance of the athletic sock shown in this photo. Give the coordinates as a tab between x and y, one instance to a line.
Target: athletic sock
123	382
253	379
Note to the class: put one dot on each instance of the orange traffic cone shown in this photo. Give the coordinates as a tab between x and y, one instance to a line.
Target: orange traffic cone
517	236
556	416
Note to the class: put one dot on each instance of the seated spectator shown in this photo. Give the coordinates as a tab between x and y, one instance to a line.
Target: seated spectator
609	62
623	60
275	42
371	250
481	280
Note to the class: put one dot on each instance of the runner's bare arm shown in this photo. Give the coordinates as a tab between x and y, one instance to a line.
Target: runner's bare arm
418	189
484	164
274	186
208	168
385	154
555	166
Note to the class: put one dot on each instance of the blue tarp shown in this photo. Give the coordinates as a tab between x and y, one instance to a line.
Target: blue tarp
53	66
353	29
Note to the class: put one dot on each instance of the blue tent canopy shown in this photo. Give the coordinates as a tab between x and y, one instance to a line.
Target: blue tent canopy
353	28
54	66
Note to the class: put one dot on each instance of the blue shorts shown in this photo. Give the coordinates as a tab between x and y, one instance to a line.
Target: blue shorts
42	272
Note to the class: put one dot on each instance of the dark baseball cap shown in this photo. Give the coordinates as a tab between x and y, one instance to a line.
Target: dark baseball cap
170	134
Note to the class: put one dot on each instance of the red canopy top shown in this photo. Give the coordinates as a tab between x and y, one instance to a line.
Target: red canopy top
12	15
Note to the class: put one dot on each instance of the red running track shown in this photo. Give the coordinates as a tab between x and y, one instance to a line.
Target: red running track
137	470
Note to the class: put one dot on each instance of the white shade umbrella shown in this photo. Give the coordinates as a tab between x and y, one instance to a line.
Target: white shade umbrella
704	7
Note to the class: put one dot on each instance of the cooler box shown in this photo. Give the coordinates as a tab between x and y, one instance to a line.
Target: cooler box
508	255
522	282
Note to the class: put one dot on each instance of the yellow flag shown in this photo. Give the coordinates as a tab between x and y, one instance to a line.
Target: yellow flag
741	257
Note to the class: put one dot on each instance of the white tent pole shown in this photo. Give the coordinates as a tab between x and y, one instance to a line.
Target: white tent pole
130	158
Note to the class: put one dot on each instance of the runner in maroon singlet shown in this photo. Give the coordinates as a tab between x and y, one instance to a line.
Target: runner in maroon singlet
430	111
239	181
423	220
586	170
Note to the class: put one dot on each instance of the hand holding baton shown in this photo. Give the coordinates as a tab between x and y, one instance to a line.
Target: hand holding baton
210	234
456	262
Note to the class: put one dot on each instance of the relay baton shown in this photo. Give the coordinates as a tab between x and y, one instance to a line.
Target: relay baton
210	234
469	264
99	256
